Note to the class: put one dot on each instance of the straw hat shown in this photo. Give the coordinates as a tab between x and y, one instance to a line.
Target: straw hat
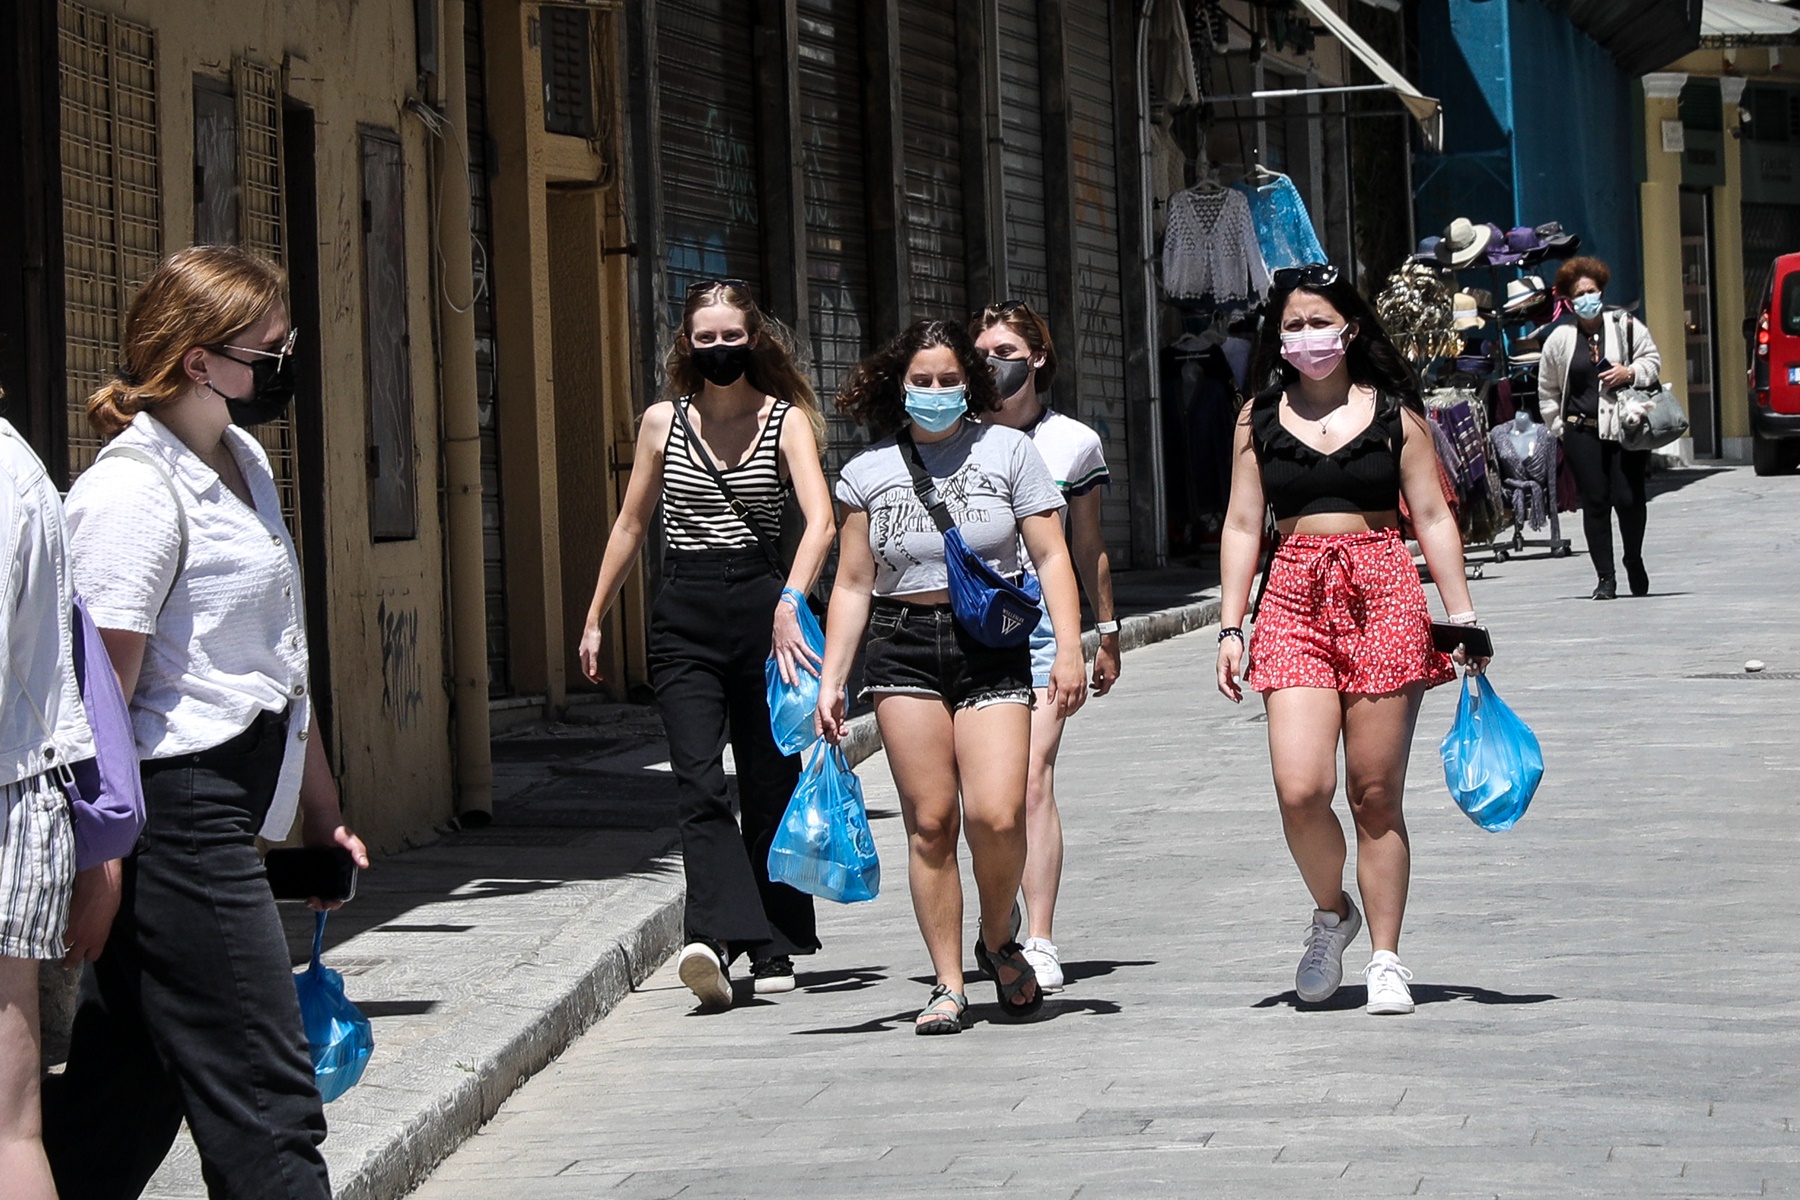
1525	292
1465	314
1463	242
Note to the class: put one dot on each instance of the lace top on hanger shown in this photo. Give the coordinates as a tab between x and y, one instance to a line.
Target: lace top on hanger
1210	248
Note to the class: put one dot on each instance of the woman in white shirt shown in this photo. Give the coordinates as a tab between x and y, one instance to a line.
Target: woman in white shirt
43	730
178	546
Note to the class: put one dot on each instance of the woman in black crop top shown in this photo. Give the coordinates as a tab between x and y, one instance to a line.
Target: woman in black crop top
1342	648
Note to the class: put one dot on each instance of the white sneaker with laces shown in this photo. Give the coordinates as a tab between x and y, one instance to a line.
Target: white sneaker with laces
1041	954
704	974
1387	979
1322	966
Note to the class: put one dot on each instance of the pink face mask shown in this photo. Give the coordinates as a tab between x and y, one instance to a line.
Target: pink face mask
1315	353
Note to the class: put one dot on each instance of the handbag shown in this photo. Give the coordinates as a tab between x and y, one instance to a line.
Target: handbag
1651	419
106	792
993	609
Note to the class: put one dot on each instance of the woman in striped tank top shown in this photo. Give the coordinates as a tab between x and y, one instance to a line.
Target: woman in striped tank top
726	605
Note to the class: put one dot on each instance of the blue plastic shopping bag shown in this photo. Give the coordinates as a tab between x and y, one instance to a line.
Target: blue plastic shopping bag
1492	760
338	1035
824	845
791	705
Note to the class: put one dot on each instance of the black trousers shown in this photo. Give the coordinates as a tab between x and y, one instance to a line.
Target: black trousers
1611	479
191	1011
709	638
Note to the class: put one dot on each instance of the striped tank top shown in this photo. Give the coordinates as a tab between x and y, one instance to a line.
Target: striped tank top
695	515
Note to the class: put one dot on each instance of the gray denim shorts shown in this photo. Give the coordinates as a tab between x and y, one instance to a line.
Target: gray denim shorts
921	650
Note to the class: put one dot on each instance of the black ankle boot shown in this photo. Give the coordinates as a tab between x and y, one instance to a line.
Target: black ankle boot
1637	576
1608	588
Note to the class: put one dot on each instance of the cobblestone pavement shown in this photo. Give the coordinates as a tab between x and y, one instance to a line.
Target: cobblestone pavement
1607	992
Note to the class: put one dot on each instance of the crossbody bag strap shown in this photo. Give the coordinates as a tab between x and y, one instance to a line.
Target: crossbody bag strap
923	485
181	518
738	508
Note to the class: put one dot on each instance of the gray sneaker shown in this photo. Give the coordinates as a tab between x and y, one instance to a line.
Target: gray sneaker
1322	966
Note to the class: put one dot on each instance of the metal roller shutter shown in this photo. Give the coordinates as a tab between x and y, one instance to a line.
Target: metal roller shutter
487	371
934	198
1097	262
837	217
1022	156
707	94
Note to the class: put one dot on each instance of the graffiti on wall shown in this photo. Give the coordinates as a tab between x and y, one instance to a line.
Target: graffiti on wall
402	680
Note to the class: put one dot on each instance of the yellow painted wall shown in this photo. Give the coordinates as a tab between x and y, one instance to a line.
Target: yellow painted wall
353	64
1660	206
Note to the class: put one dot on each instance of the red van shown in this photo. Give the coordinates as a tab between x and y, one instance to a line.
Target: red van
1775	371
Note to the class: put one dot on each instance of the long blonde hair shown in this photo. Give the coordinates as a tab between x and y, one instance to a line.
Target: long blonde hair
773	366
200	296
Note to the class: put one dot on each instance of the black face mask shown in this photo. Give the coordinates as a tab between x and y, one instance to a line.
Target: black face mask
722	366
1009	375
272	387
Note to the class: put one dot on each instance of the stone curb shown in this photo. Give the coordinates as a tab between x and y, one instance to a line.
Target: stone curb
408	1117
1145	629
403	1120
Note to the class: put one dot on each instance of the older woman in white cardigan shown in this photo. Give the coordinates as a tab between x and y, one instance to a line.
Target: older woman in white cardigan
1588	357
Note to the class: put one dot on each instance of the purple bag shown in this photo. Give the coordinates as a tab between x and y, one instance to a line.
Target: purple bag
107	795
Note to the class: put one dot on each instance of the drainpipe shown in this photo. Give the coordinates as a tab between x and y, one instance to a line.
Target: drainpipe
462	436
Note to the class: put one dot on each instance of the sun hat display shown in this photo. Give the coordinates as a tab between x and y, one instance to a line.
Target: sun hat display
1557	243
1521	242
1496	241
1525	292
1426	254
1465	313
1463	242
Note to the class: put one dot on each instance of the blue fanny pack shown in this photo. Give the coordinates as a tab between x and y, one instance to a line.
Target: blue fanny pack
992	608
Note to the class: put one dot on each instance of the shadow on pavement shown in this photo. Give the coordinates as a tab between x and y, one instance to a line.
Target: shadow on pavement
877	1025
854	979
1096	968
1347	998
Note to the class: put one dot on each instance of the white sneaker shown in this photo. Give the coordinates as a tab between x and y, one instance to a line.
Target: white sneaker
1041	954
1388	993
1322	966
704	974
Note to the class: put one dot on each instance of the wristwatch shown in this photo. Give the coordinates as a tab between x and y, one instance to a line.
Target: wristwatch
1105	627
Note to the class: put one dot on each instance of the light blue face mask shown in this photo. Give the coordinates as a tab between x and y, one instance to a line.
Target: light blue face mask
936	409
1587	306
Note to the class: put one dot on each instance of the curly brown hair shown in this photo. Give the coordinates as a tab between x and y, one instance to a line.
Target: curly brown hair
1577	269
875	395
1031	328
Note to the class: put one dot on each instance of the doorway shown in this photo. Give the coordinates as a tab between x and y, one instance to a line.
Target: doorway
301	195
1699	320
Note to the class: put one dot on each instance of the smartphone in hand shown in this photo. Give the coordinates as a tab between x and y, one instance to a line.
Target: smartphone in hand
1473	639
325	873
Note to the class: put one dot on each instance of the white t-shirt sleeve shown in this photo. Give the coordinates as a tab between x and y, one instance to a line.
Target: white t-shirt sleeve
1087	466
124	543
1034	489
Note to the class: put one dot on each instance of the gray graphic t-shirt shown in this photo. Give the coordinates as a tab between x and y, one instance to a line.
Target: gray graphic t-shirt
989	477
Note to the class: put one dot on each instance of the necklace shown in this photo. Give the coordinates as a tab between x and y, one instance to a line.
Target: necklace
1324	422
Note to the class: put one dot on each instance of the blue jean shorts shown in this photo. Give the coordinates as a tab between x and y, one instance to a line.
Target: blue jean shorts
1043	650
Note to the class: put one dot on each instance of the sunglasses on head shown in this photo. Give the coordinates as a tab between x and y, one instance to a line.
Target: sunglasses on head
1310	275
701	285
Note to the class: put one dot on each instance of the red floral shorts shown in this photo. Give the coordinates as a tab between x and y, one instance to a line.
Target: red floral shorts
1346	612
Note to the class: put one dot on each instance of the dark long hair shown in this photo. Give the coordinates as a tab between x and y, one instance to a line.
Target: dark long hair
774	367
875	395
1371	356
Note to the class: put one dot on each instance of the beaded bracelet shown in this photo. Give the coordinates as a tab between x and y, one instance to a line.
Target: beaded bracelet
1231	631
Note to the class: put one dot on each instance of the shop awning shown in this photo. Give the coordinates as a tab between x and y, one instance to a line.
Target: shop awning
1426	111
1748	23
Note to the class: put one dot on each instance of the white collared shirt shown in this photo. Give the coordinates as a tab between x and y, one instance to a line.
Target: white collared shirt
229	642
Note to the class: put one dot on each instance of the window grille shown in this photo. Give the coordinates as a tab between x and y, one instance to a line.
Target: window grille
112	204
263	218
568	72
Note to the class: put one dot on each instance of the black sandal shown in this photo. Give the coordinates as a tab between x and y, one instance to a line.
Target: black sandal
937	1021
1011	955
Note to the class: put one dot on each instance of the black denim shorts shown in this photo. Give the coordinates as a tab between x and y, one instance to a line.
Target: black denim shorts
920	650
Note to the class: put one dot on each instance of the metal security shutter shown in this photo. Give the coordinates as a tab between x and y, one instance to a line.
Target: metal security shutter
1022	157
487	371
111	198
931	110
1097	262
706	90
837	215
